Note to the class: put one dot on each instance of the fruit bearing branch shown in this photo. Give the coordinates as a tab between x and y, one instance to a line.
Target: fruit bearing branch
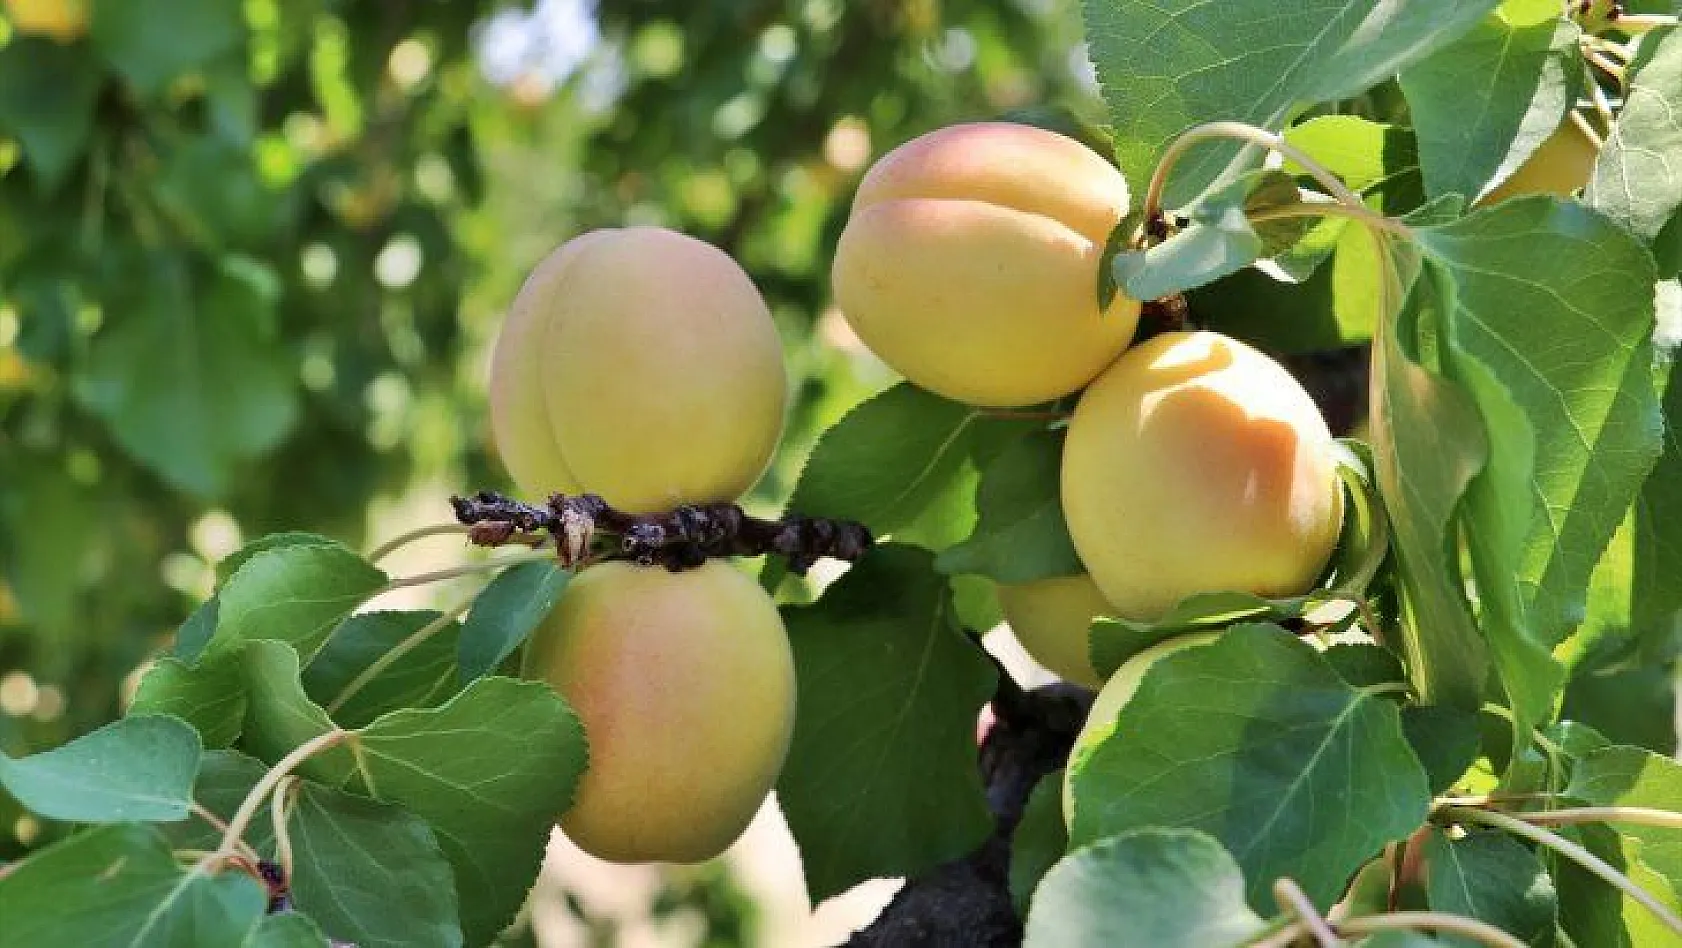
583	526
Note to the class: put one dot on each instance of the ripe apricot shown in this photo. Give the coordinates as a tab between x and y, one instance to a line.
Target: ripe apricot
1051	618
685	684
642	365
970	263
1197	464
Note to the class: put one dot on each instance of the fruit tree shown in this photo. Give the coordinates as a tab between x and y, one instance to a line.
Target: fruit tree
1313	421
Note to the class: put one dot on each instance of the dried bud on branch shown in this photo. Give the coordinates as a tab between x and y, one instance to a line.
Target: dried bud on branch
584	526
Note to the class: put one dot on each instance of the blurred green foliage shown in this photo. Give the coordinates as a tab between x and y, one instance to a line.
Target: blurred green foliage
251	256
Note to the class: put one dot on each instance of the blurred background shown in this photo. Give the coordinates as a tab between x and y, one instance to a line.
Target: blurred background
253	253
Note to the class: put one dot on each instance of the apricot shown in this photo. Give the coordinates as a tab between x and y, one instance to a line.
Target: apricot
1120	689
63	20
1051	618
1561	165
970	263
1197	464
685	685
642	365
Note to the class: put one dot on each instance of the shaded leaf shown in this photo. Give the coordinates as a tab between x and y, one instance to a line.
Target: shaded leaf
505	612
1019	535
889	692
279	715
1039	840
47	95
423	677
154	42
1494	878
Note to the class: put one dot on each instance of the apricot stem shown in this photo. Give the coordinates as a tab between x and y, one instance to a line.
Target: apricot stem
1360	213
235	833
280	804
421	579
1294	901
1434	921
1638	815
420	533
1633	23
385	661
1572	851
1239	131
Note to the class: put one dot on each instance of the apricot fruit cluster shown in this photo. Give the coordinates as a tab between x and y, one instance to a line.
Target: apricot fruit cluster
642	365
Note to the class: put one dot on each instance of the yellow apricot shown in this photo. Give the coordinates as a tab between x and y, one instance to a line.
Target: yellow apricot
1051	618
970	263
1120	689
1561	166
685	684
1197	464
642	365
63	20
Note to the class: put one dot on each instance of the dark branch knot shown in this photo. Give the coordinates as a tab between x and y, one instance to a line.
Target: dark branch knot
585	528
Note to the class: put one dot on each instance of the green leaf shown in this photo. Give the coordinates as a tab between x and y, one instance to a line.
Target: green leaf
889	692
190	394
1216	241
490	771
48	524
370	873
120	885
212	189
279	715
424	677
1255	739
294	594
1428	443
1165	67
1494	878
506	611
1636	179
1165	888
1630	776
231	563
152	43
1039	840
209	695
1445	739
1548	328
1594	913
140	768
287	930
1629	705
1484	103
890	458
224	779
1113	641
1655	598
1020	535
48	91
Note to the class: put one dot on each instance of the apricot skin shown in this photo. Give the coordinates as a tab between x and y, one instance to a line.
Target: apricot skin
1561	166
642	365
1197	464
970	263
685	684
1051	618
1120	689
